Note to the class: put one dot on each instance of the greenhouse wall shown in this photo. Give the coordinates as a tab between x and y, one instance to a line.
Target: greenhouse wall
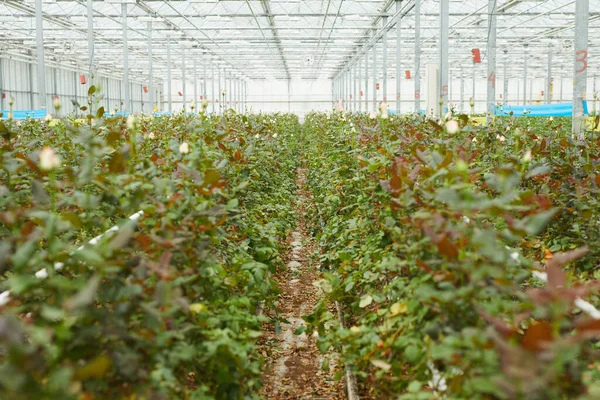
18	81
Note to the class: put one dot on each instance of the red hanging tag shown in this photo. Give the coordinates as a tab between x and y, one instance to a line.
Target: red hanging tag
145	89
82	79
407	74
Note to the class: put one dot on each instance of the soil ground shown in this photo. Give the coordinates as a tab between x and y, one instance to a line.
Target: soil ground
294	364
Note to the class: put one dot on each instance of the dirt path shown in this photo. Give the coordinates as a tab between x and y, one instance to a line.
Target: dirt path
293	369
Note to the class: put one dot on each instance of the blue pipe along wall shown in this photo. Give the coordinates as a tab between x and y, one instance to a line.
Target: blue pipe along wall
537	110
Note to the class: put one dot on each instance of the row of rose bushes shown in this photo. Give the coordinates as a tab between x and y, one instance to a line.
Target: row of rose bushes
164	307
430	232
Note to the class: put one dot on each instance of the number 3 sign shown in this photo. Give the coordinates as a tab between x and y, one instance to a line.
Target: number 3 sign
581	56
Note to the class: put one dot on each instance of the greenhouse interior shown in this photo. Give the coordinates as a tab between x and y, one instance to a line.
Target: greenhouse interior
300	199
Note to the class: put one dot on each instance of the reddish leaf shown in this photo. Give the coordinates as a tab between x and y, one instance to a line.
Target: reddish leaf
597	179
588	325
556	276
395	183
211	177
561	259
442	242
505	329
538	336
446	247
424	266
413	174
144	240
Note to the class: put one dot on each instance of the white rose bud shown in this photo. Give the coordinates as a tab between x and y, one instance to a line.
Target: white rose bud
452	126
4	298
204	103
48	159
41	274
527	156
373	114
151	135
131	122
184	148
56	103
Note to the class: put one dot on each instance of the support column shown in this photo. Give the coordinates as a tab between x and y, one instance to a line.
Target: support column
561	87
169	81
31	95
359	71
417	56
473	83
196	84
525	76
491	64
41	65
366	81
505	91
580	64
126	95
212	90
444	32
183	78
375	76
2	92
353	86
343	89
462	90
150	69
90	36
204	89
230	91
398	53
356	95
385	63
220	99
348	88
548	94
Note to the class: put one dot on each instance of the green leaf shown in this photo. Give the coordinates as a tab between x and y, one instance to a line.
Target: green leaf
91	90
85	295
300	330
484	385
38	192
90	256
23	254
536	224
123	235
414	387
539	170
381	364
52	313
19	283
411	354
100	113
365	301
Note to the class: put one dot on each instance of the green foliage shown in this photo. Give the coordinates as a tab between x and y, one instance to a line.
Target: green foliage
430	239
164	307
